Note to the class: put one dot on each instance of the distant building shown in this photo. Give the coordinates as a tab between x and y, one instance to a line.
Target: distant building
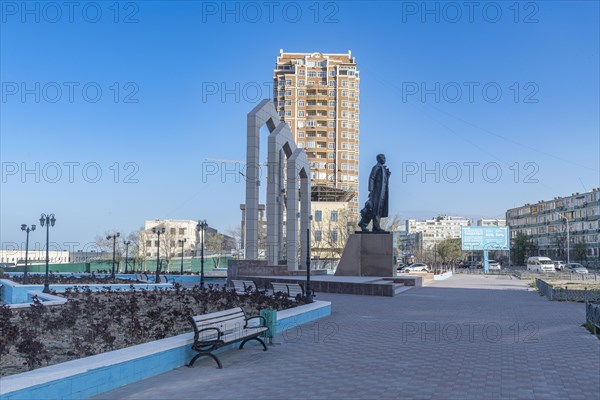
17	256
491	222
425	234
545	223
331	225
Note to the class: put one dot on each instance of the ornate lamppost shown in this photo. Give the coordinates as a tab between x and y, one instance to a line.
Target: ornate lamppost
48	220
202	225
158	231
182	242
27	229
114	239
126	243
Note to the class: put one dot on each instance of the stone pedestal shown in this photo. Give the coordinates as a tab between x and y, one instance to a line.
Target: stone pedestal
367	254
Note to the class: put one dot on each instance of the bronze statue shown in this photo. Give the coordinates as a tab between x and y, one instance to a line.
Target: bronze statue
376	206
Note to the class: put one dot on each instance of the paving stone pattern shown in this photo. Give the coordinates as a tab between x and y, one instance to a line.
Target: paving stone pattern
469	337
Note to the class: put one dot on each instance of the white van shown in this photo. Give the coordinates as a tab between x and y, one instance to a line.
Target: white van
540	264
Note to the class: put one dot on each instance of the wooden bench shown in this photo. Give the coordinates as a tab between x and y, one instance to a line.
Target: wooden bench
241	286
218	329
290	289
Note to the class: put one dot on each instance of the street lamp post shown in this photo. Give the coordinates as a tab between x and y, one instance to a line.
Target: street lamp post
202	225
568	238
47	220
126	243
27	229
114	239
308	291
158	231
182	242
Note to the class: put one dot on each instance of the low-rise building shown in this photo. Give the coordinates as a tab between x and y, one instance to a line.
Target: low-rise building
547	222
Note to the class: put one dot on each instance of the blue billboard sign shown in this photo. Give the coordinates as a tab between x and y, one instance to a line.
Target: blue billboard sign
484	238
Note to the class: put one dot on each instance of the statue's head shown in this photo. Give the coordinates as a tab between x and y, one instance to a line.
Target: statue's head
381	158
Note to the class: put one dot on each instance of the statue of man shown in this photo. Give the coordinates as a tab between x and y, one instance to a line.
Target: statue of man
376	206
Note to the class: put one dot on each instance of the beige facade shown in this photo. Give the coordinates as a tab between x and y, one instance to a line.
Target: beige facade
331	225
317	94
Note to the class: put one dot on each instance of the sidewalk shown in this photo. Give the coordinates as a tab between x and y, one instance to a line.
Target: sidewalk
469	337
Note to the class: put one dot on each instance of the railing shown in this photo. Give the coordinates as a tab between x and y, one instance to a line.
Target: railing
560	294
592	316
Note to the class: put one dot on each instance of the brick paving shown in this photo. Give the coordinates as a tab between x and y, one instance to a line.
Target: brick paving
469	337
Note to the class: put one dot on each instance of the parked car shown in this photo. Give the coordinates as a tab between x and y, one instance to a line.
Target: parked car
559	265
493	264
540	264
468	264
401	267
416	267
577	268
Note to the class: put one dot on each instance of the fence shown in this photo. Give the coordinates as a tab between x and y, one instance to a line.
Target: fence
561	294
592	316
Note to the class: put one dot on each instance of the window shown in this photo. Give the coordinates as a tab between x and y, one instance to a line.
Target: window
301	103
332	135
318	215
332	83
345	83
334	236
311	74
332	93
288	102
301	113
345	93
172	231
288	82
317	236
332	73
288	113
331	103
301	72
301	93
300	134
322	74
182	231
332	124
148	243
156	243
301	82
311	122
331	114
300	124
288	92
331	145
311	144
334	216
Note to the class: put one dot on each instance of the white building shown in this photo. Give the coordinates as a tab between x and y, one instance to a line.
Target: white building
170	241
17	256
425	234
546	223
491	222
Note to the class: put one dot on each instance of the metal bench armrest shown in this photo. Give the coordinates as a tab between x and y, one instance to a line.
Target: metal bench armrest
263	321
219	334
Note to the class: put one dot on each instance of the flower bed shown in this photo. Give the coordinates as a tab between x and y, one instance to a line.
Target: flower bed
95	322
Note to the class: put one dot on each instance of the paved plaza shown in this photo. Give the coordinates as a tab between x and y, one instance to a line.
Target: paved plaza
469	337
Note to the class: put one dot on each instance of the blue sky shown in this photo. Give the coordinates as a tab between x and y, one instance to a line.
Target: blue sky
509	89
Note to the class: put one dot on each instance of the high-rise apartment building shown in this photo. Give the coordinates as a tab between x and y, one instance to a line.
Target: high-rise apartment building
317	94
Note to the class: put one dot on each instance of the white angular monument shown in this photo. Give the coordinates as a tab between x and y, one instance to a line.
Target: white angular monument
288	173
